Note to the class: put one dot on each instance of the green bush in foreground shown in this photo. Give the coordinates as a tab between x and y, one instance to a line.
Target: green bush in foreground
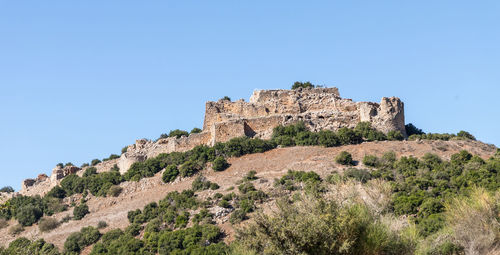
319	226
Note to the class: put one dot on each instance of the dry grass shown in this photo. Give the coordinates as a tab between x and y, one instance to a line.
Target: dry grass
16	229
48	224
3	223
473	221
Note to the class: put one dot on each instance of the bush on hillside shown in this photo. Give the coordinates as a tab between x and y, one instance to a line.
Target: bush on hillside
361	175
171	172
89	172
115	191
101	224
48	224
319	226
395	135
371	161
77	241
466	135
28	215
220	164
344	158
80	211
412	130
95	162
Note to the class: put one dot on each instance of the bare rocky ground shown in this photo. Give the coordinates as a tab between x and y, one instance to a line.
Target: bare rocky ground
268	165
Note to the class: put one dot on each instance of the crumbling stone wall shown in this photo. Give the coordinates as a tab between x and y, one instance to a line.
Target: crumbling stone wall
319	108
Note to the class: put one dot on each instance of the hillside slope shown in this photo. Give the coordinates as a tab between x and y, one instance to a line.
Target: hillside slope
269	165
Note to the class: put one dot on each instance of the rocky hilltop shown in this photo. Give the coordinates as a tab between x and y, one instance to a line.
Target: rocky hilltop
318	108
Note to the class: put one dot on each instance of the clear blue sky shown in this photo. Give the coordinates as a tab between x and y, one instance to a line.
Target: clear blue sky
81	79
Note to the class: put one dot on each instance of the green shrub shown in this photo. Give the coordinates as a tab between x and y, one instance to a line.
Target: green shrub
251	175
80	211
133	229
171	172
124	149
361	175
57	192
89	172
199	239
79	240
73	184
237	216
101	224
7	189
115	191
319	226
224	203
28	215
348	136
84	165
195	131
220	164
395	135
344	158
412	130
178	133
371	161
48	224
95	162
365	130
466	135
111	157
305	85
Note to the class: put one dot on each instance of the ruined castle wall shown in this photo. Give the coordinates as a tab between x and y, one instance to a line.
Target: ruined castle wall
318	108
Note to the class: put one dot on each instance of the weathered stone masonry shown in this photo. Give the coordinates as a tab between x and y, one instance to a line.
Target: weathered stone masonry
318	108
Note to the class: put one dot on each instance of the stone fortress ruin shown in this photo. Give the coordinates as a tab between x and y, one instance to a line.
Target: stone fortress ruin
318	108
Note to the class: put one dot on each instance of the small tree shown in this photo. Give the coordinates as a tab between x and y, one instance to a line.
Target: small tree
412	130
344	158
7	189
